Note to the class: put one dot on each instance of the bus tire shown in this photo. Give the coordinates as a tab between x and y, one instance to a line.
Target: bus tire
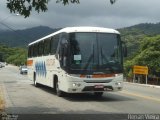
98	94
35	81
58	91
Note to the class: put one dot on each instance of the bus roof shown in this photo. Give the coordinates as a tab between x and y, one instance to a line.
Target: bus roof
79	29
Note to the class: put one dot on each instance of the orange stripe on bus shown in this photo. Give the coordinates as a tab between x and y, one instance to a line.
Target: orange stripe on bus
98	75
103	75
29	62
82	76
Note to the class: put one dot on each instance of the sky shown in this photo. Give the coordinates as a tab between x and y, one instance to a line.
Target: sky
99	13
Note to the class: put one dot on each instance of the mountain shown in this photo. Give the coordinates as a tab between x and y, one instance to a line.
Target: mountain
143	28
133	36
21	38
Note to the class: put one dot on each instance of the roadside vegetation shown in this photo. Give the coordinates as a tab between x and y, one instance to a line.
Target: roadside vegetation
2	101
143	44
148	54
13	55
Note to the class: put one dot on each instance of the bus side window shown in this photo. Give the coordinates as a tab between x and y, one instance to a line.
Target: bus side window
63	53
29	51
40	48
54	44
47	46
35	50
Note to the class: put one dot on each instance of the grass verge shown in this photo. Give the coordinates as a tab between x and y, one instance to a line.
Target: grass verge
2	102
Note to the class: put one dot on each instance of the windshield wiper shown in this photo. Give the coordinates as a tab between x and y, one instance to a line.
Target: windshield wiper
103	56
90	59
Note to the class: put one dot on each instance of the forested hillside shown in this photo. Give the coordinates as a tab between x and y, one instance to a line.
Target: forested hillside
21	38
131	35
143	43
13	55
134	35
13	44
147	55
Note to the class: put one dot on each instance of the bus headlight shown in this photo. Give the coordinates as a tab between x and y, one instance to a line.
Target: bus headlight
118	83
76	84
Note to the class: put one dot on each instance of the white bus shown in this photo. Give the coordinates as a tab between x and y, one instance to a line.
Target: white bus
78	60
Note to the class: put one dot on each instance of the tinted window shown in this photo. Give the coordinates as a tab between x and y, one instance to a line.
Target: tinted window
29	51
47	47
40	48
54	44
31	48
35	50
96	51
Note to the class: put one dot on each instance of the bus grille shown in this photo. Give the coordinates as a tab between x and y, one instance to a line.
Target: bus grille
98	81
92	88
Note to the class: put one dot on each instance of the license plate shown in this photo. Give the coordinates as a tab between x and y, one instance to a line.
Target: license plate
98	86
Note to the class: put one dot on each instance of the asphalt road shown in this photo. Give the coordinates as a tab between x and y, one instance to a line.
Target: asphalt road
21	97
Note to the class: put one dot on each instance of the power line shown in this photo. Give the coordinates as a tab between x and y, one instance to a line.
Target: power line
9	28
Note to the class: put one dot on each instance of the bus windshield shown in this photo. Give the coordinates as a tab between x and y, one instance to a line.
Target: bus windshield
96	52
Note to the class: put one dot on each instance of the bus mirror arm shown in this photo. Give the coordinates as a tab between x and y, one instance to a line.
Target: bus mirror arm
124	49
64	54
64	61
64	42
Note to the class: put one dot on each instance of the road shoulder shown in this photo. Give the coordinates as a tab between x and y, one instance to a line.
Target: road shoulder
145	85
2	100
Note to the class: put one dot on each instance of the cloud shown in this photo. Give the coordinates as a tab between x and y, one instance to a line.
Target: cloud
89	13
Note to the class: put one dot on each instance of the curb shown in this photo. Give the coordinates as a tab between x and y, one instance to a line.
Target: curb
144	85
2	100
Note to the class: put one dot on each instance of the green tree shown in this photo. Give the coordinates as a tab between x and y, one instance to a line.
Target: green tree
148	55
16	56
24	7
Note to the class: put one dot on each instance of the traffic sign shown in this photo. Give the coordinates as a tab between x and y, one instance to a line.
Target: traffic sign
140	70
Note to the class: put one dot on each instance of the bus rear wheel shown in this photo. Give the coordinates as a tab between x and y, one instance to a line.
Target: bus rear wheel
35	81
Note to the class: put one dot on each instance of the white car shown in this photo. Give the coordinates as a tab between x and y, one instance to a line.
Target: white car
2	64
23	70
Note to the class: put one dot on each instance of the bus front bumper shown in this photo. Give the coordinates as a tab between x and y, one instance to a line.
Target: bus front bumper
80	85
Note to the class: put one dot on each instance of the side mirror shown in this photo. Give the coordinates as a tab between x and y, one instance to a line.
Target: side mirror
64	52
64	42
124	49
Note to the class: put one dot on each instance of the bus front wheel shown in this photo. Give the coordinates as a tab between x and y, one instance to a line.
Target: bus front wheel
58	91
98	94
